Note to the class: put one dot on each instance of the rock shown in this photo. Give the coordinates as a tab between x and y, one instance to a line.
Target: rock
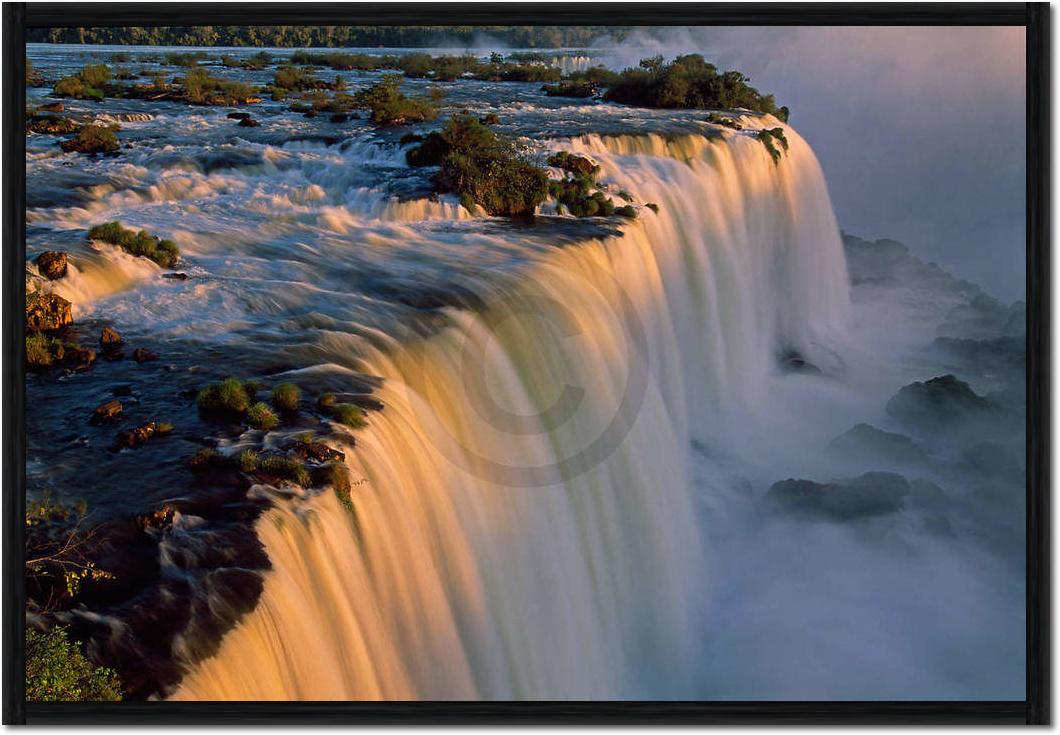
141	354
871	494
867	443
159	518
938	403
248	122
309	113
78	358
52	264
46	312
926	495
52	125
141	435
238	116
339	117
110	412
176	276
792	361
490	118
109	338
52	107
314	450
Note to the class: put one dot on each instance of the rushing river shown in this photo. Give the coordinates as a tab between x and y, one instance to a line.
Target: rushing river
563	494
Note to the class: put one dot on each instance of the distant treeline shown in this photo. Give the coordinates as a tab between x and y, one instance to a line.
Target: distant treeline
330	36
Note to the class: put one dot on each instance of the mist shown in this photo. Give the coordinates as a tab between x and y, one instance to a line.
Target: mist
921	131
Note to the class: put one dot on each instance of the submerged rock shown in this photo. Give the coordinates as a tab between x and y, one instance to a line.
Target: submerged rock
248	122
176	276
866	442
238	116
46	312
142	354
52	107
870	494
52	264
141	435
110	412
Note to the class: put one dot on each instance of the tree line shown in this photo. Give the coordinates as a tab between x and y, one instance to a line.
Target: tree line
330	36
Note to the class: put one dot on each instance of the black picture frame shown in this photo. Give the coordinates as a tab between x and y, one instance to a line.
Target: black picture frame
1034	710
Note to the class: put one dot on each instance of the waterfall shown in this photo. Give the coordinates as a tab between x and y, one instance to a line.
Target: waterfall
523	519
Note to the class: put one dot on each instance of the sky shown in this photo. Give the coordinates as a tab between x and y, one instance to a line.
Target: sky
921	131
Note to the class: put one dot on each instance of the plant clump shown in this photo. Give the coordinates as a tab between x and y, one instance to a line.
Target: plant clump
349	415
389	106
261	417
91	83
231	398
770	137
163	252
93	139
284	468
567	88
482	167
202	88
286	397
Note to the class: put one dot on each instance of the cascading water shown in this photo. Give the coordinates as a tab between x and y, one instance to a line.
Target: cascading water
523	522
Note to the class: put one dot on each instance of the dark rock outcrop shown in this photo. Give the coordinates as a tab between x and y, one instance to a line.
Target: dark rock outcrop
110	412
141	435
248	122
142	354
238	116
867	443
938	403
871	494
109	338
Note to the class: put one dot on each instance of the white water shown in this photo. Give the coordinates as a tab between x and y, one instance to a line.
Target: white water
524	519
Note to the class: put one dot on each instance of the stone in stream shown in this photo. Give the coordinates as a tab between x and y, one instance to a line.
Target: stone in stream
141	354
141	435
77	357
248	122
238	116
870	494
110	412
52	264
46	312
52	107
109	338
176	276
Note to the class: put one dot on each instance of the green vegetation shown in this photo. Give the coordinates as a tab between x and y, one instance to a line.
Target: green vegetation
286	469
87	84
229	398
93	139
57	671
579	90
770	136
482	167
201	88
205	459
371	36
248	461
689	83
349	415
579	193
257	62
176	58
261	417
296	79
286	396
40	350
326	402
142	243
390	107
56	540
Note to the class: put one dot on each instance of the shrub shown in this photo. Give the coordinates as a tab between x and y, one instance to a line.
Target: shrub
295	79
285	397
95	75
349	415
74	87
177	58
260	416
57	671
230	397
573	163
286	469
92	139
570	89
39	350
201	88
142	243
390	107
248	460
326	402
479	165
688	82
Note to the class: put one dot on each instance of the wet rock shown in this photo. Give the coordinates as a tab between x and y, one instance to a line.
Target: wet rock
490	118
109	338
867	443
141	354
248	122
52	264
78	358
871	494
46	312
309	113
176	276
939	402
238	116
314	450
159	518
141	435
340	117
792	361
52	125
110	412
52	107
